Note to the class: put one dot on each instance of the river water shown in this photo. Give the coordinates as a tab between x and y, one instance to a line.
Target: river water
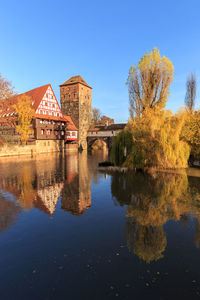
69	231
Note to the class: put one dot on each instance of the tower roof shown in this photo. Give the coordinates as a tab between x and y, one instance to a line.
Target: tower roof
74	80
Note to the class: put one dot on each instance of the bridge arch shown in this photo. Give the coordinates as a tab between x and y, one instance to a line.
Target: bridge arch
92	140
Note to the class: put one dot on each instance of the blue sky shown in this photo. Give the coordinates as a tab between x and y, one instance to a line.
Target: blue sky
49	41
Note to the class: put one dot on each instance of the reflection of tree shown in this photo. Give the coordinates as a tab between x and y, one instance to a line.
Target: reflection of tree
151	201
197	233
9	211
150	242
35	182
25	185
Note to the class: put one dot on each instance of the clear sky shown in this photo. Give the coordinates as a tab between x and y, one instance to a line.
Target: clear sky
49	41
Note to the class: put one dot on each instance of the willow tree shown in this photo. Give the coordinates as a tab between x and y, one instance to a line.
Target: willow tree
149	82
25	114
191	132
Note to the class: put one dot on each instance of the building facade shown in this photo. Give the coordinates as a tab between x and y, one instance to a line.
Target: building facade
48	123
76	99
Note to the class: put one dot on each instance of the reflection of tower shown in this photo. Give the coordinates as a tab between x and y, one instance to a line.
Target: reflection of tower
76	196
76	98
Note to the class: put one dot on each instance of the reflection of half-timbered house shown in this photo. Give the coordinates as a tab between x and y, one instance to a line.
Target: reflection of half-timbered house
49	122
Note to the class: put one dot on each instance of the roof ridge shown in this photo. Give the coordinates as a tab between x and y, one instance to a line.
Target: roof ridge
74	80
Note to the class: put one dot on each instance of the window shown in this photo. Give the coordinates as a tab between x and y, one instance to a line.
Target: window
56	132
57	114
48	131
46	104
41	122
62	132
52	113
73	133
67	133
42	131
47	112
41	112
53	105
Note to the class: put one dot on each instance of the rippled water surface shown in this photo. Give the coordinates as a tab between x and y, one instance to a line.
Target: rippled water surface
68	231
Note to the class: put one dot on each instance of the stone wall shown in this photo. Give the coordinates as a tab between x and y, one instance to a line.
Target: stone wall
76	102
71	147
84	121
40	146
9	135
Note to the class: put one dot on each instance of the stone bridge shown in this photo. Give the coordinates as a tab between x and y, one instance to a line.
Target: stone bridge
105	133
106	139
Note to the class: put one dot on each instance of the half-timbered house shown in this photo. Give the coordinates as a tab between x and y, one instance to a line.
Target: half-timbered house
49	123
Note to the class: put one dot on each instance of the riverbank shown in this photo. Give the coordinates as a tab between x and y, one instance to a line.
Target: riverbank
39	147
193	170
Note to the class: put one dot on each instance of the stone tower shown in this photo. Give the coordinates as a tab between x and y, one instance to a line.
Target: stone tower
76	99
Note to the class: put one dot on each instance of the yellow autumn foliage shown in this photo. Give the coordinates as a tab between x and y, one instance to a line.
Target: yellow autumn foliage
149	82
191	132
25	115
152	200
155	141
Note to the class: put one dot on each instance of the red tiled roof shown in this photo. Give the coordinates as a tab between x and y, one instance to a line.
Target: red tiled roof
75	79
37	94
48	117
70	123
6	106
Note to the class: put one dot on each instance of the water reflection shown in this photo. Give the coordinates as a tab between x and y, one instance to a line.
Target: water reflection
41	181
76	196
152	200
9	212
